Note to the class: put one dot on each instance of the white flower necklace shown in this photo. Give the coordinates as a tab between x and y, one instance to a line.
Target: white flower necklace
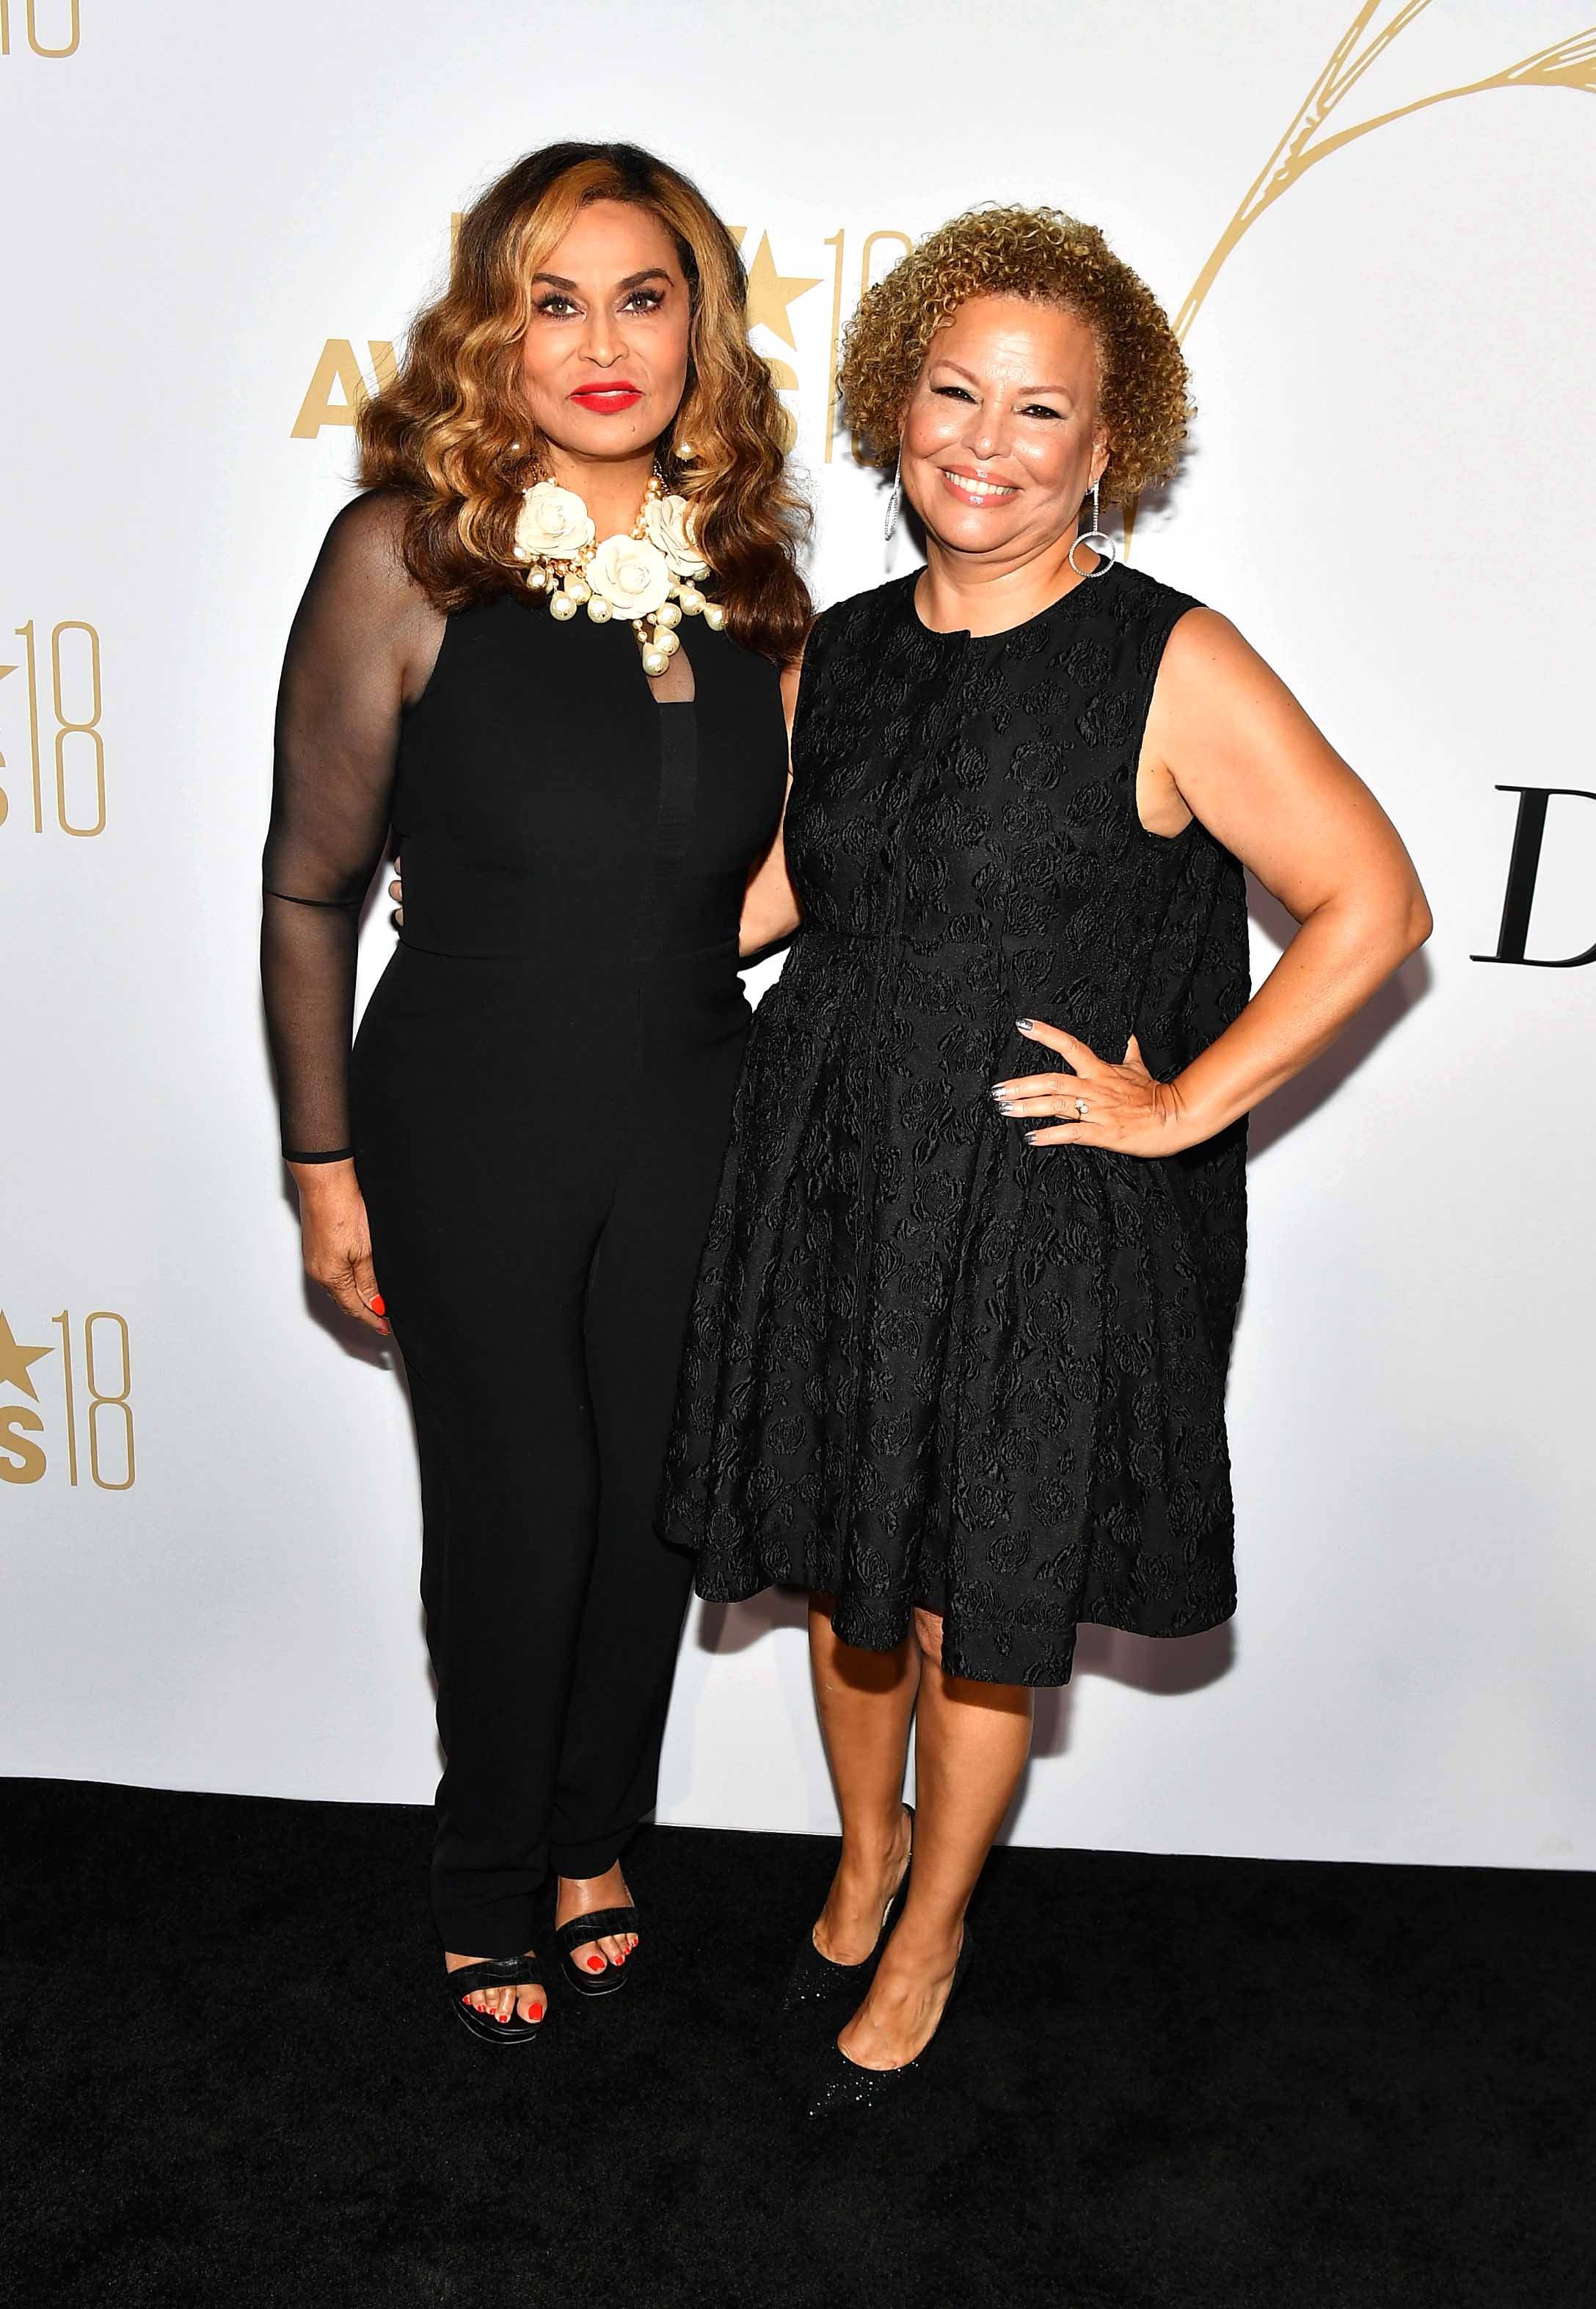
650	576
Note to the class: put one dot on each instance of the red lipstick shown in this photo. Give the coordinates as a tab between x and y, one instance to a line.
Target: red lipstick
607	399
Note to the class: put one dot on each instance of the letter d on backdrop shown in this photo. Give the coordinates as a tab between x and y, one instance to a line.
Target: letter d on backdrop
1522	868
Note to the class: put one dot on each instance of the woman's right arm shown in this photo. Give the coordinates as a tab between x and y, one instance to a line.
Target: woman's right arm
361	646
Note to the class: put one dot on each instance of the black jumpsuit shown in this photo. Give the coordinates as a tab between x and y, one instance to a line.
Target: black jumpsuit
537	1105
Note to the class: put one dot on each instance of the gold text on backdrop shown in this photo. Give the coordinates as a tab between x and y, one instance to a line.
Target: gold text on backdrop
339	385
73	667
59	16
339	368
92	1412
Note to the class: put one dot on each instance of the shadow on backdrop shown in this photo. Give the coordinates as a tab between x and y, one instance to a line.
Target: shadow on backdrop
1162	1666
734	1627
1319	1081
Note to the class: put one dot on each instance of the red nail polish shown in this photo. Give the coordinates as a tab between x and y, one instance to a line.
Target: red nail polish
536	2014
595	1964
379	1305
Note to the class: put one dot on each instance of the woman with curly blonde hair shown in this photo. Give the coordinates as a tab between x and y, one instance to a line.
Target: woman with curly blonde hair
957	1361
546	650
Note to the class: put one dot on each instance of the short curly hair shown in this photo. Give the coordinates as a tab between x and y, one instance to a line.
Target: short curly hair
1048	258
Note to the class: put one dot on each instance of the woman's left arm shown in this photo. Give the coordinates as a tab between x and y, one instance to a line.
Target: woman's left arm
770	910
1226	737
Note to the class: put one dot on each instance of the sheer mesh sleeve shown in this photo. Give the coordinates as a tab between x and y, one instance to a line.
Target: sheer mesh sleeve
364	637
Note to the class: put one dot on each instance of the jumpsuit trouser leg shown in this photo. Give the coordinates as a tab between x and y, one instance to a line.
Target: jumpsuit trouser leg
542	1318
639	1300
509	1485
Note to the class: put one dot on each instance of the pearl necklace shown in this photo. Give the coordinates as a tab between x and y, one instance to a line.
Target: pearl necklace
650	576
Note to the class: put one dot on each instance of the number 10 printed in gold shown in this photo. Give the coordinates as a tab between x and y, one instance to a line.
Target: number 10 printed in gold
59	15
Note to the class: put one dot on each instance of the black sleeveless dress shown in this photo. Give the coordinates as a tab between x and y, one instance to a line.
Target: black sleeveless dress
928	1364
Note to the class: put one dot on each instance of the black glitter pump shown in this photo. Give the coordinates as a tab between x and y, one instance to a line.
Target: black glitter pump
839	2084
815	1979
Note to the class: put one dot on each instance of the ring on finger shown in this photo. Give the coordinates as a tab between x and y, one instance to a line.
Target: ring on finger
1083	1108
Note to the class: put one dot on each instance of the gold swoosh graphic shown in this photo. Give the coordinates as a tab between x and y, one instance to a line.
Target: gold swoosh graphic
1569	62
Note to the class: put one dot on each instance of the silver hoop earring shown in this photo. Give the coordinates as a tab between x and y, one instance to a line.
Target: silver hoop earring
1096	540
894	500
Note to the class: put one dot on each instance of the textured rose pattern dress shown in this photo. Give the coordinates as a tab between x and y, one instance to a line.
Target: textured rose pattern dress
928	1364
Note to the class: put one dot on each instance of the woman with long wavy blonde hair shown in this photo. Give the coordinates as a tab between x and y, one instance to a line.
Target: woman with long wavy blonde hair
546	649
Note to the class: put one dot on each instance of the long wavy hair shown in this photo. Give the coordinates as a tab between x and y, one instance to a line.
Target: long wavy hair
451	432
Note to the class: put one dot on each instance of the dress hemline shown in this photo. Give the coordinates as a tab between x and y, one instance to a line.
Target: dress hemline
726	1592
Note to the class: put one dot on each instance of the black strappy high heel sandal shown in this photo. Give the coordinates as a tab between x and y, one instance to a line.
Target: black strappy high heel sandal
496	1972
839	2084
815	1979
594	1927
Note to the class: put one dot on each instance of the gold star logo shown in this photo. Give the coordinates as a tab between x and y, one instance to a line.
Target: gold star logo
14	1360
771	292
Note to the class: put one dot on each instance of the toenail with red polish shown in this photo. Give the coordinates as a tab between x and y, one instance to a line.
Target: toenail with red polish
595	1964
536	2014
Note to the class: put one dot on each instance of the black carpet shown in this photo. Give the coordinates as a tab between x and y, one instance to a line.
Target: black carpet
230	2077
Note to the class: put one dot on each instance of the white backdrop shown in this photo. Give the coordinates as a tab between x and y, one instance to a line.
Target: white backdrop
210	215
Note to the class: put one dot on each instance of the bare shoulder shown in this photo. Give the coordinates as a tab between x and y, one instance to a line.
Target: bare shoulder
1211	678
1205	648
